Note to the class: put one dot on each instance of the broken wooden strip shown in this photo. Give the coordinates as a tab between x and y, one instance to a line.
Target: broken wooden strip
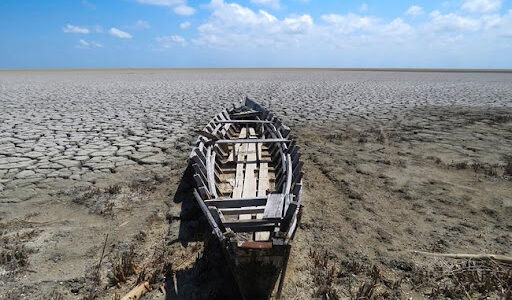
494	257
252	141
138	291
208	215
274	206
242	210
253	105
237	203
247	114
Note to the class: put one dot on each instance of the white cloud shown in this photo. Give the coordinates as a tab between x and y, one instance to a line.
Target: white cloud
184	10
75	29
119	33
169	41
351	23
452	22
231	24
274	4
482	6
180	6
141	24
241	31
88	44
185	25
415	10
162	2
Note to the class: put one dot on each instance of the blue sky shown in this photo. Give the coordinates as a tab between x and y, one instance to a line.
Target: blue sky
255	33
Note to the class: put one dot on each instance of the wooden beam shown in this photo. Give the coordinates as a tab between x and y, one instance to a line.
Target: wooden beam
249	223
243	210
251	141
243	121
258	228
208	215
250	187
239	158
290	213
233	203
274	207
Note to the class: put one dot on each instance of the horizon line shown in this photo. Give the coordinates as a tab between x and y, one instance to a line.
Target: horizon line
455	70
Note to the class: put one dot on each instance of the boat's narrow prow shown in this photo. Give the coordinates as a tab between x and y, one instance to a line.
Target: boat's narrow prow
248	184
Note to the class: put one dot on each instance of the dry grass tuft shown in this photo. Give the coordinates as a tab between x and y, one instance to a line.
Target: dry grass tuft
123	266
507	170
469	279
14	256
324	273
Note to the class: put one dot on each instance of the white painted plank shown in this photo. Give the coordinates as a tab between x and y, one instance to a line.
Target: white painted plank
249	189
241	150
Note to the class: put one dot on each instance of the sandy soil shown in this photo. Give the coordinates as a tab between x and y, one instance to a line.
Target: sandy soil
95	195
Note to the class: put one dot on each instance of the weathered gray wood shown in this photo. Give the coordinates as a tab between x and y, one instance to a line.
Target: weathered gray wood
263	182
199	181
246	114
209	171
201	155
289	214
253	105
203	191
249	223
243	121
208	135
289	174
274	207
296	189
240	157
250	187
234	203
208	215
241	211
251	141
197	161
258	228
297	170
217	216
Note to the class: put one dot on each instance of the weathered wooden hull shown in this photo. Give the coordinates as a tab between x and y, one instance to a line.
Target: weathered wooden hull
257	270
249	185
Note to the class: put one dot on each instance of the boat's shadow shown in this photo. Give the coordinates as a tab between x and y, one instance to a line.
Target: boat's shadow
209	277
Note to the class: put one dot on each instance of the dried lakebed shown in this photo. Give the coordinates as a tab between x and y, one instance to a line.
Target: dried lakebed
74	125
390	157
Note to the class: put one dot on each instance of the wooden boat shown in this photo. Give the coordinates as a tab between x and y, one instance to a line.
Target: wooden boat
248	184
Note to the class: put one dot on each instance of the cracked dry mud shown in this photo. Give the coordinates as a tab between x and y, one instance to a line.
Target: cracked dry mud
393	160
